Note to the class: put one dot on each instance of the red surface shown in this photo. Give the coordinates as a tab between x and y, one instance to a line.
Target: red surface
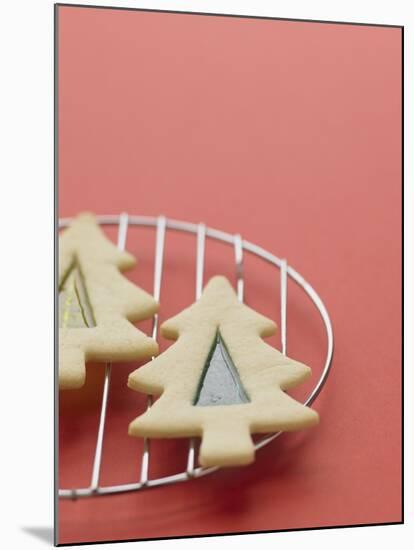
290	134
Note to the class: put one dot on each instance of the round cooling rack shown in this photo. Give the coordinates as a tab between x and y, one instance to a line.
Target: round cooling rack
161	225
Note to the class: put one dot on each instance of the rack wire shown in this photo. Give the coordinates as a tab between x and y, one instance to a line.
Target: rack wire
161	224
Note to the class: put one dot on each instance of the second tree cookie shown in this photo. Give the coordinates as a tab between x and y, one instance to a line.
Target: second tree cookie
96	304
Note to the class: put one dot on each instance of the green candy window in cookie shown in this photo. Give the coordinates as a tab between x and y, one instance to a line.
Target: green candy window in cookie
220	382
75	310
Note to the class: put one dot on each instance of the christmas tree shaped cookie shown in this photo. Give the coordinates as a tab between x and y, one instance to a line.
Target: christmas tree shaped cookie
96	303
220	380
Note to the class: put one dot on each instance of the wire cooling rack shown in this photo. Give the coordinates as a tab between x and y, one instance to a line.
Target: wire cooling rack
201	232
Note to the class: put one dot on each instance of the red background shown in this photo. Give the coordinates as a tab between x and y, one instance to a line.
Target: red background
289	133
